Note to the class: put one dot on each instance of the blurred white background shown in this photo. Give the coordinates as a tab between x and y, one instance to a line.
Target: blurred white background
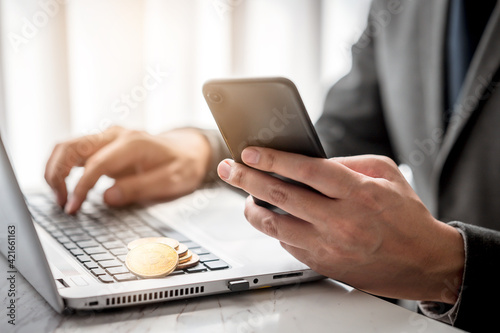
73	67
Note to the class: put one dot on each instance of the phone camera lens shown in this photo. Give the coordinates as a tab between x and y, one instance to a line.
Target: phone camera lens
214	97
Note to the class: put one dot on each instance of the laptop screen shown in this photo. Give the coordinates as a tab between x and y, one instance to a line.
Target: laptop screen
19	242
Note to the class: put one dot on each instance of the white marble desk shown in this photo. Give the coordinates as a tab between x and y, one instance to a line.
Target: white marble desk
322	306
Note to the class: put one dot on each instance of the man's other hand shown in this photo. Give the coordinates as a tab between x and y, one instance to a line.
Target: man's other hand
146	167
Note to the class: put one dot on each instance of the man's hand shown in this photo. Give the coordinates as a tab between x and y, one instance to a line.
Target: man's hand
366	227
146	167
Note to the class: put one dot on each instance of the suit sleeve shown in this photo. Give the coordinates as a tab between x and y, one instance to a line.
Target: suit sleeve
478	308
352	122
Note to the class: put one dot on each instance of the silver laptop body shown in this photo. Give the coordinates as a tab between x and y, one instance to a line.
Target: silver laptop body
211	219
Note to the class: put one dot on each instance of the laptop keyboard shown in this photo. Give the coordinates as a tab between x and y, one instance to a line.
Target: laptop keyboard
97	237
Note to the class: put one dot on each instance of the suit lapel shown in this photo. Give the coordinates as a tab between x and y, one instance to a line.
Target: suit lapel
433	29
484	65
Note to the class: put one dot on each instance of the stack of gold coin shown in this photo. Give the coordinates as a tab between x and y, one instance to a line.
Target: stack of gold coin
155	257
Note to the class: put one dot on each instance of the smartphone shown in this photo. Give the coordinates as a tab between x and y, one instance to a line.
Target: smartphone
263	112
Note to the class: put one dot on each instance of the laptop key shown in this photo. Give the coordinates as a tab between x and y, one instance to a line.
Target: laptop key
106	278
57	234
125	277
69	225
80	237
72	231
83	258
129	239
208	257
134	223
70	245
217	264
122	257
110	263
90	265
119	251
51	228
98	271
117	270
144	229
102	256
60	218
44	223
98	231
196	269
125	234
150	234
105	238
76	252
88	224
113	245
89	243
63	239
95	250
199	250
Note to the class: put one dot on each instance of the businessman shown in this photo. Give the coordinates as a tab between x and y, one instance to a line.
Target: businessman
422	91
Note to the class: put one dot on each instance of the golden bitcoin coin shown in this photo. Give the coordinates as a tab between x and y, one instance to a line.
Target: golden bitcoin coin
191	263
164	240
186	257
152	260
182	250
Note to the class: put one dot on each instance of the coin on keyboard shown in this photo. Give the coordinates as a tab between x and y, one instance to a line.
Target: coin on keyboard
182	249
152	260
164	240
191	263
186	257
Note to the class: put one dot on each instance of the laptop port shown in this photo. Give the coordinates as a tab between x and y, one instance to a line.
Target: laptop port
289	275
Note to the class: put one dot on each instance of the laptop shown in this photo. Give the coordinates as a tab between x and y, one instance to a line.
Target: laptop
77	262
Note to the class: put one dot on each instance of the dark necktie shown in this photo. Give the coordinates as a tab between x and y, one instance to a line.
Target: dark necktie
467	20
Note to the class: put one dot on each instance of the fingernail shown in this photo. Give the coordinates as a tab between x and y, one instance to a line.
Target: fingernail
70	206
224	169
114	195
250	156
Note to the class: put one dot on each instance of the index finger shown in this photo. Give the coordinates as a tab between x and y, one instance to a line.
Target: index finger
72	153
329	177
111	159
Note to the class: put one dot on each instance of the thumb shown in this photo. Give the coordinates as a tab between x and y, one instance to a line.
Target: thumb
161	183
142	187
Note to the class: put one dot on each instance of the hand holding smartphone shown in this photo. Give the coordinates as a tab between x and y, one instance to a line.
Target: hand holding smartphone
263	112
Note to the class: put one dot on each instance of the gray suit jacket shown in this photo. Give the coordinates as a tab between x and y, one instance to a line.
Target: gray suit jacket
392	103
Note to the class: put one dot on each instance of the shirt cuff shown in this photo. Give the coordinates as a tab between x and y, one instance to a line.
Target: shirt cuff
445	313
219	152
